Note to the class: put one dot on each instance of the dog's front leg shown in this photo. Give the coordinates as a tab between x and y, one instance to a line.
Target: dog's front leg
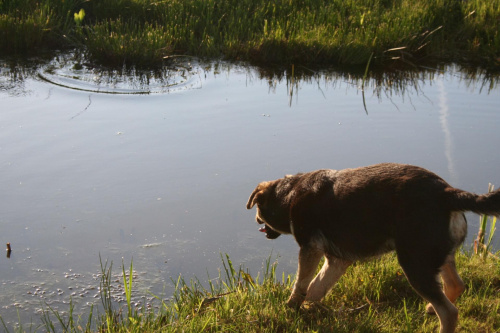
308	263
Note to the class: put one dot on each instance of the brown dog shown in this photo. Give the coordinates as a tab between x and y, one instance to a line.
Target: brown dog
355	214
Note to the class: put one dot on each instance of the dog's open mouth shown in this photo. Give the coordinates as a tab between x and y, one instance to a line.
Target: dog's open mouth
270	233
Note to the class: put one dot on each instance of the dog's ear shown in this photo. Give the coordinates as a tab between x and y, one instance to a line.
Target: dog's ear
259	194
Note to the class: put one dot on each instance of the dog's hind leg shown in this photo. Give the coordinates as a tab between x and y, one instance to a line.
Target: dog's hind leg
309	258
453	286
330	273
423	279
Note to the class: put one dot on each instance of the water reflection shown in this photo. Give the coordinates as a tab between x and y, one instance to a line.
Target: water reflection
444	119
384	84
72	72
13	77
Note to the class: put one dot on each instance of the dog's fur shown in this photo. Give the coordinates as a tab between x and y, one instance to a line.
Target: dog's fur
356	214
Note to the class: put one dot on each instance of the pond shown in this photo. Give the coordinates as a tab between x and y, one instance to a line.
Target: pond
157	167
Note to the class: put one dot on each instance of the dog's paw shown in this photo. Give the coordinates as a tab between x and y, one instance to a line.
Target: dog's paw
429	309
295	301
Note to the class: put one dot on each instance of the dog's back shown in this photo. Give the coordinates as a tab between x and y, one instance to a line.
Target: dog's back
366	211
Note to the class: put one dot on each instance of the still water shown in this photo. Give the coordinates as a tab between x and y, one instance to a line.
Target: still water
158	168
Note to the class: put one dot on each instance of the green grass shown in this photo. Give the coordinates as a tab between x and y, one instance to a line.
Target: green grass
306	32
30	26
371	297
482	245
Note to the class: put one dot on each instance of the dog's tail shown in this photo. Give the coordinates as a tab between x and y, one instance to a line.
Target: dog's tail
488	204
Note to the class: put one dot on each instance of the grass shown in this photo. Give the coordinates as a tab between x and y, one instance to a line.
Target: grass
26	26
482	245
371	297
303	32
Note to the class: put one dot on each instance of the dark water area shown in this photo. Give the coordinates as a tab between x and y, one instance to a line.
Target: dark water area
157	167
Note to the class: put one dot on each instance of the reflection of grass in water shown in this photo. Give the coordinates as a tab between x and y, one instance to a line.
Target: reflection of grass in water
179	75
382	83
371	297
142	32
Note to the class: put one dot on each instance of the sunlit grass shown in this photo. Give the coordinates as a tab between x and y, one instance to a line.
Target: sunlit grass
371	297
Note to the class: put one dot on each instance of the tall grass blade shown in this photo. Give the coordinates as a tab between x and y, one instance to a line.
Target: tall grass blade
4	325
128	287
480	246
490	236
105	292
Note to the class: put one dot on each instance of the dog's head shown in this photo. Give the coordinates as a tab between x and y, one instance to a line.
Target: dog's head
271	210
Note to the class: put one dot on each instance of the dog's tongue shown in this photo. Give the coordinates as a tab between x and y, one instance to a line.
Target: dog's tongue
263	229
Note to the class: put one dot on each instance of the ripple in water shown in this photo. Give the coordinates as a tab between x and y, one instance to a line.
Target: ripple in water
65	71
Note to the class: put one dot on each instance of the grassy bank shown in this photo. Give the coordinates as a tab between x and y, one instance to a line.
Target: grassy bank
371	297
312	32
